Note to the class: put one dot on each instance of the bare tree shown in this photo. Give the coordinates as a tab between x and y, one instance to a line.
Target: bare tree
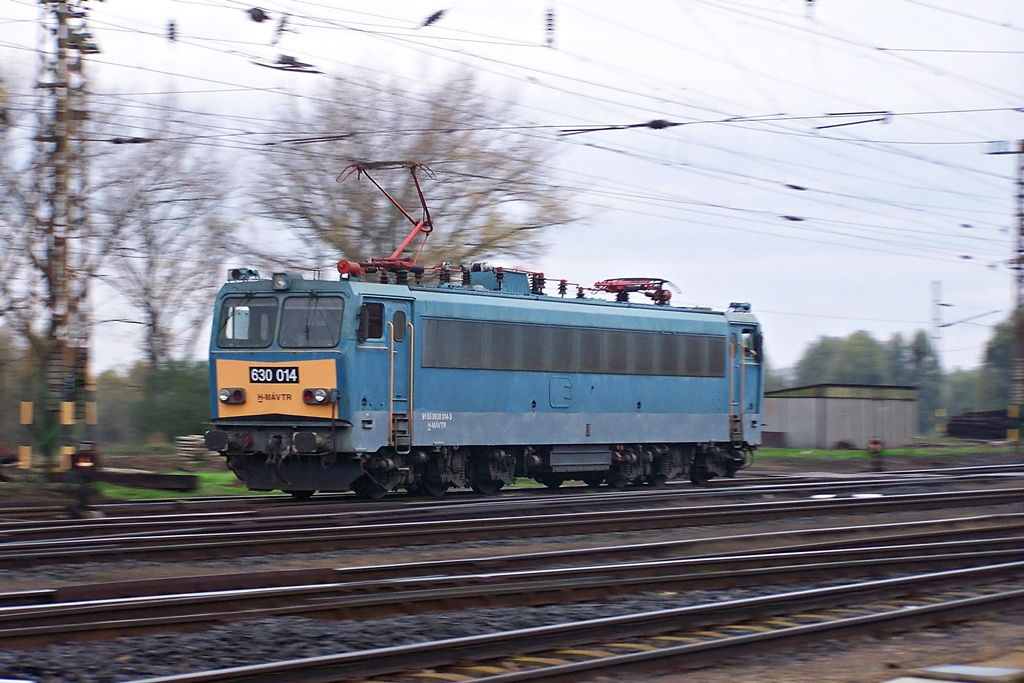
51	251
494	193
167	201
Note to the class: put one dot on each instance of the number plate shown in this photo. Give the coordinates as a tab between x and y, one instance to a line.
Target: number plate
264	375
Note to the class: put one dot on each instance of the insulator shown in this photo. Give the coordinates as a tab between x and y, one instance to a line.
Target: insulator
622	295
467	278
563	287
536	283
445	274
579	292
384	276
499	276
401	276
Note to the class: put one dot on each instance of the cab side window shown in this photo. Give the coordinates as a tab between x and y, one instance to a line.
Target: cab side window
751	345
398	320
371	321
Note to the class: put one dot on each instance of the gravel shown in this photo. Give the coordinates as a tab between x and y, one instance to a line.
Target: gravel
275	639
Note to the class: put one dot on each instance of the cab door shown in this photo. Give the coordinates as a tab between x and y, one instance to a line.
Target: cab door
736	385
745	378
385	350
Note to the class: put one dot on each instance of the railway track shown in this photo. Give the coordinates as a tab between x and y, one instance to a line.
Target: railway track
274	513
31	618
746	483
219	537
688	637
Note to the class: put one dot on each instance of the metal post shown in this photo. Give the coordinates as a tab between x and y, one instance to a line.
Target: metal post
63	227
1017	392
25	449
1017	368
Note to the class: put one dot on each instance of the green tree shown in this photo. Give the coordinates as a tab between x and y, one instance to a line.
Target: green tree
775	378
14	388
814	367
997	367
896	355
964	391
176	400
923	372
859	359
118	397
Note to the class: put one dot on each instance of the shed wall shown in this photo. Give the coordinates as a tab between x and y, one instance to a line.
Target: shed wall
823	422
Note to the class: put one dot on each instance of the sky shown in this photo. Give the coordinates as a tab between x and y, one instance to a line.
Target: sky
829	162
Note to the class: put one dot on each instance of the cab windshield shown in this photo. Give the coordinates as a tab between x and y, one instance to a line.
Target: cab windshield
311	322
247	322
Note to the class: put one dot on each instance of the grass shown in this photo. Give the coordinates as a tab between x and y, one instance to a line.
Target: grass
134	449
816	454
210	484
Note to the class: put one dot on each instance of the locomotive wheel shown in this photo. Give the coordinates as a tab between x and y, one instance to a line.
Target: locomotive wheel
435	489
699	475
552	481
367	488
657	479
594	479
487	486
618	482
301	495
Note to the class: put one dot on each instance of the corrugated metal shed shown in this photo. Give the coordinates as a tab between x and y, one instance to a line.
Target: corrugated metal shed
826	415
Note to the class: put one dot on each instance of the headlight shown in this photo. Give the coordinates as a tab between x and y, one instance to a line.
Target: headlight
232	395
315	396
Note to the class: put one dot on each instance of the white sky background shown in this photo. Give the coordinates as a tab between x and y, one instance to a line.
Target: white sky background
887	207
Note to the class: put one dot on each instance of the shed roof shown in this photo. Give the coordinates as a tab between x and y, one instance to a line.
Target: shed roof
862	391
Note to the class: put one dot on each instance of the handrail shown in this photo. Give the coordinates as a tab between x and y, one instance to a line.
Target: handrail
412	367
391	384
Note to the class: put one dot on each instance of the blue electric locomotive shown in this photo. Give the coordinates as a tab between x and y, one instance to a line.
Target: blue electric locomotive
375	385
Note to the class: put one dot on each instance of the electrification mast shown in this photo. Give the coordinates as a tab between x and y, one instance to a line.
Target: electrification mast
1017	376
62	248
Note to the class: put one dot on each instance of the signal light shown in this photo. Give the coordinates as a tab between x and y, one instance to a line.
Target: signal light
243	274
281	281
315	397
232	395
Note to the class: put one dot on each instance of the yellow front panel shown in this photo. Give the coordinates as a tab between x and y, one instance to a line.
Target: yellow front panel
273	398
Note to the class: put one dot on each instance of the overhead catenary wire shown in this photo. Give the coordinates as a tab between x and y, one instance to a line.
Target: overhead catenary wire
210	139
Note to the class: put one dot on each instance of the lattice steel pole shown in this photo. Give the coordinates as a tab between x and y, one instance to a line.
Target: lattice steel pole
1017	386
62	221
1014	411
